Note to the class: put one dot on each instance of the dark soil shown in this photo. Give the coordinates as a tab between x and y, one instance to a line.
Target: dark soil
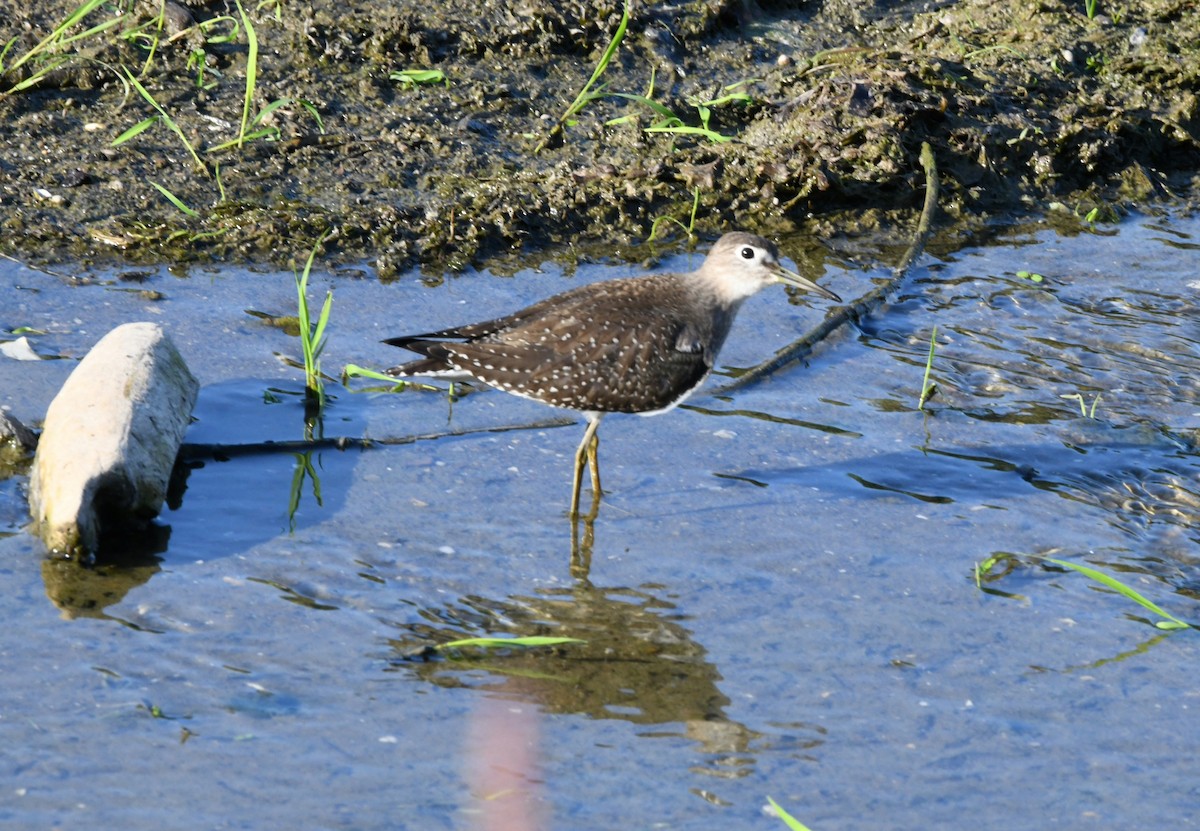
1026	105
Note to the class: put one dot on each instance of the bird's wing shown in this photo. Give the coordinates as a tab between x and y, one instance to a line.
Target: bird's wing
590	358
498	325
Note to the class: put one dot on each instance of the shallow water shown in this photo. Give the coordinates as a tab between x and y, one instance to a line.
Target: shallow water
781	598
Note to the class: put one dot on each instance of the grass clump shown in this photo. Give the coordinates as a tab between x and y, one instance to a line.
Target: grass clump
312	335
675	125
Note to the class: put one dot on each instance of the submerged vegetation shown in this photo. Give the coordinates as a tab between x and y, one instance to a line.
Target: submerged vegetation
788	820
999	566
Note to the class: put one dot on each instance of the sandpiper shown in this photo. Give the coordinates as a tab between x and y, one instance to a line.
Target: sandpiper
632	345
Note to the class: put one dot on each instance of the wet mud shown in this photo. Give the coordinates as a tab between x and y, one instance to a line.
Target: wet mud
774	117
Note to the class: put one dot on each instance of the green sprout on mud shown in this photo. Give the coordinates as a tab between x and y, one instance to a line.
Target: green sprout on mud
269	132
1169	622
788	820
586	96
249	129
175	200
1091	7
147	35
198	60
410	78
688	229
928	389
668	121
312	336
675	125
1025	134
275	5
50	53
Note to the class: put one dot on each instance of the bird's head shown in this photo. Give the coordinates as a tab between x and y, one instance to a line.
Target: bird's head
742	264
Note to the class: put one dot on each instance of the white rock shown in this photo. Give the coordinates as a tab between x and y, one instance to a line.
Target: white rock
110	439
19	350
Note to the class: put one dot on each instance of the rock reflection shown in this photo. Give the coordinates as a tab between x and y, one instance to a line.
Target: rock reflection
124	563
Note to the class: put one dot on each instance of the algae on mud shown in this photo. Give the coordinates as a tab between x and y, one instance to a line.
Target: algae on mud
1024	104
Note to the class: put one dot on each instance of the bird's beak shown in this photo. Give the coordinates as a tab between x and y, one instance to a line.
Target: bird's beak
791	278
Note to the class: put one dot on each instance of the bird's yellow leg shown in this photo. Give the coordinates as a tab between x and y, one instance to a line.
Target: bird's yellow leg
585	454
595	465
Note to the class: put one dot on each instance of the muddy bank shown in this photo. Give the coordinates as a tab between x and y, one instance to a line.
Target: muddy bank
825	107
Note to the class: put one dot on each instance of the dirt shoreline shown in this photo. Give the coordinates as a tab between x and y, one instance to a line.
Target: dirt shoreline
1025	105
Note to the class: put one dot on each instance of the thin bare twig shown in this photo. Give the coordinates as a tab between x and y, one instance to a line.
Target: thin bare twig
862	307
196	451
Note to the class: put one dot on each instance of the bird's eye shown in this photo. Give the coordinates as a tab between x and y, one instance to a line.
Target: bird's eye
747	253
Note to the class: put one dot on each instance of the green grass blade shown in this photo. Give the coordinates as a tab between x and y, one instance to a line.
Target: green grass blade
56	36
237	141
582	98
270	108
4	53
312	110
356	371
788	820
658	108
305	323
926	389
251	69
413	77
318	338
504	643
394	384
176	201
1170	622
739	97
37	77
232	36
166	118
711	135
136	129
87	33
159	21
